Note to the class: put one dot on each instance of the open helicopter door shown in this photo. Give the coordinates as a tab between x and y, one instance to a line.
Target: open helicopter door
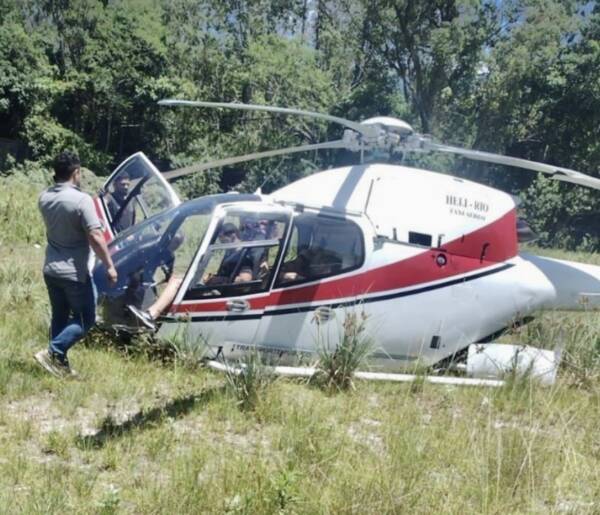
136	190
223	294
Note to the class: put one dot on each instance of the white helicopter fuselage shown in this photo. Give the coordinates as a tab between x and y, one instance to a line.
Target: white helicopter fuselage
429	262
441	270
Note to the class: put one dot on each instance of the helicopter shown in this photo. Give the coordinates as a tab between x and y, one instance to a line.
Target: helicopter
429	261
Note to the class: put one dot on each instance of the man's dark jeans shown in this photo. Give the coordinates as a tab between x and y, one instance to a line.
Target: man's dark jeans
73	312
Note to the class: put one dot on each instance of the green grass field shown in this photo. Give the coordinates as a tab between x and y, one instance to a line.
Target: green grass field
145	435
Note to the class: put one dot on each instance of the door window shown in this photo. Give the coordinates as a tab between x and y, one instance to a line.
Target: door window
242	256
136	191
320	247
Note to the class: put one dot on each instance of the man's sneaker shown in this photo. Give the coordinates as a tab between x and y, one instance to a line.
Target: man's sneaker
54	365
143	317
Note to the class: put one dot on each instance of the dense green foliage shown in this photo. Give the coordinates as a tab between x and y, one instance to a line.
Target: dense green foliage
519	77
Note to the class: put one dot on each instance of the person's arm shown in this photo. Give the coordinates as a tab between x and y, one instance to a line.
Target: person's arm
96	239
91	225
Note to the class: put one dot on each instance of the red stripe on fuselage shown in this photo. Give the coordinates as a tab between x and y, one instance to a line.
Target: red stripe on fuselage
499	239
480	249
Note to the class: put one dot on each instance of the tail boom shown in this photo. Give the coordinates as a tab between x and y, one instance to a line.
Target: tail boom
576	285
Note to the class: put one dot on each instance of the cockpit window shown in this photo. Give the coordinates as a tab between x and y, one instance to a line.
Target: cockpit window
148	231
320	247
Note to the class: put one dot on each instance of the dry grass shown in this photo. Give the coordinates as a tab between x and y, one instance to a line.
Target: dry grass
144	435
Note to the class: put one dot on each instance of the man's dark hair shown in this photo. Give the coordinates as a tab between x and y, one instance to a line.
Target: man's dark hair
65	164
228	227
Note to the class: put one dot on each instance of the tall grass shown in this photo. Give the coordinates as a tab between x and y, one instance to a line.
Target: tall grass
339	360
147	435
248	380
20	221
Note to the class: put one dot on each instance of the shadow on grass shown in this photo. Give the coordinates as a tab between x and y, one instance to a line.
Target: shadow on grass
146	419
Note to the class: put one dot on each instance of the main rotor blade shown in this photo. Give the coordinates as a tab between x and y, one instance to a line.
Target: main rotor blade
364	130
556	172
180	172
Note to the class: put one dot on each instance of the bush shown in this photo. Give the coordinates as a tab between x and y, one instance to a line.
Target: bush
336	367
248	381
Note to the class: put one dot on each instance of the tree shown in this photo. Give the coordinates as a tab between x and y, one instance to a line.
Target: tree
534	101
433	47
25	85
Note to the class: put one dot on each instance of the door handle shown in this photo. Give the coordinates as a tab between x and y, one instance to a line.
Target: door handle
323	314
237	305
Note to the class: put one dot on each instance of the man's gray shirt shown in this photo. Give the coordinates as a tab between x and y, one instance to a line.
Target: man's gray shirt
69	215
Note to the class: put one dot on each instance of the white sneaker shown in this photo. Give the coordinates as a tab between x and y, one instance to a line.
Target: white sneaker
143	317
53	365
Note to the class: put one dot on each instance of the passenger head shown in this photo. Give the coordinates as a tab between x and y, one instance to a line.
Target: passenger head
67	167
264	225
254	228
229	233
248	226
122	184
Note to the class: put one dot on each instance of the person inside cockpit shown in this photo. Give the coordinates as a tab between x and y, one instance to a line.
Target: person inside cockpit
231	264
122	214
165	299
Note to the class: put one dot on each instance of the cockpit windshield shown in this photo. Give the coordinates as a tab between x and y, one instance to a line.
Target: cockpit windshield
151	229
159	242
151	252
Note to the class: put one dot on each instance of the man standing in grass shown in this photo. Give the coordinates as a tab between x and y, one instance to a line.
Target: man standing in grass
72	226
